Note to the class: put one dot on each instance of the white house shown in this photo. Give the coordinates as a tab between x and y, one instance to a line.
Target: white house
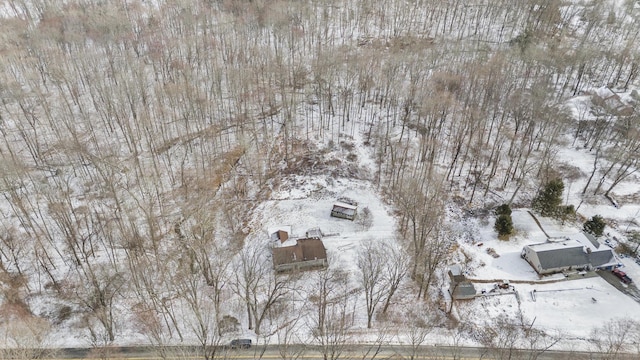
558	255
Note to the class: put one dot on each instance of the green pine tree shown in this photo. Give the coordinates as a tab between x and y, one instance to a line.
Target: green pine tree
503	209
504	225
595	225
549	198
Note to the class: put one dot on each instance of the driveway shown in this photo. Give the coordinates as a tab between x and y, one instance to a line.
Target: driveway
630	290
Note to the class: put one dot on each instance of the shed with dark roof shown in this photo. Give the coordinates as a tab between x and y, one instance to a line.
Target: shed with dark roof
459	287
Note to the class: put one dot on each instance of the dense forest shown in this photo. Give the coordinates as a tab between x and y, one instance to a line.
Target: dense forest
138	137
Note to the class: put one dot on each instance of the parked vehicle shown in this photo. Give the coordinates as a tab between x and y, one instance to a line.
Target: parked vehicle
622	276
240	343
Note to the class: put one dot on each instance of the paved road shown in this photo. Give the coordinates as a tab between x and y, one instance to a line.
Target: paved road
355	352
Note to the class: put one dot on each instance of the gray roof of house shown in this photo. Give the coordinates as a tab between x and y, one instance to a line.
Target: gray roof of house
557	257
592	239
601	257
567	254
455	269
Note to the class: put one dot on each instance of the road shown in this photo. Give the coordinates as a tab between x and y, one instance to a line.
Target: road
308	353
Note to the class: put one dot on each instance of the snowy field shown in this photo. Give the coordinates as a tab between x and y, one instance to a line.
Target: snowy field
308	205
575	307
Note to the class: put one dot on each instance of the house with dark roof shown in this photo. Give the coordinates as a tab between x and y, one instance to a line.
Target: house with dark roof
305	254
580	253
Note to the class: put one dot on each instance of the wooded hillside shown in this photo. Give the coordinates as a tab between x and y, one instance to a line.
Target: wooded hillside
139	136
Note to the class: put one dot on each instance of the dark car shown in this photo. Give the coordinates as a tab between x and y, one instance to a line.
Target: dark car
240	344
622	276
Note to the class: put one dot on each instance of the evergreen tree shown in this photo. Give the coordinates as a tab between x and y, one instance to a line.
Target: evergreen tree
595	225
504	222
566	212
503	209
549	198
504	225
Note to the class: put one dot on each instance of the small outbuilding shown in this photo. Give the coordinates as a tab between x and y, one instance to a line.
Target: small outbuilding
280	234
459	287
314	233
345	208
611	101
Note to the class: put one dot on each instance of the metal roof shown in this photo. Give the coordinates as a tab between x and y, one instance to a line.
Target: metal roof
569	253
345	205
464	290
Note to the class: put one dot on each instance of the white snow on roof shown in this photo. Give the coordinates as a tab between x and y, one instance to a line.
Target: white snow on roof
604	92
345	205
570	241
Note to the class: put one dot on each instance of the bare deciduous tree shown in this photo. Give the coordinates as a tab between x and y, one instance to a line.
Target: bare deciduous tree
397	262
615	337
329	286
201	318
335	303
420	325
364	218
371	261
257	284
24	336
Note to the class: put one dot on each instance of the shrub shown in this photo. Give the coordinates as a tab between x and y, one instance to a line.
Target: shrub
365	218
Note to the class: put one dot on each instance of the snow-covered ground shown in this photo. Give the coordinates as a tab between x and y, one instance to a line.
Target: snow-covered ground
575	307
571	307
308	205
509	265
303	202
